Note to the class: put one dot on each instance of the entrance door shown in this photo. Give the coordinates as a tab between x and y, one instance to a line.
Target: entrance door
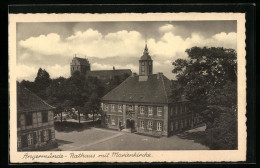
128	123
132	125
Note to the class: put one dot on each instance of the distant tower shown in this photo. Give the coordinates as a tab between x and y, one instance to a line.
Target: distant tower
145	63
79	64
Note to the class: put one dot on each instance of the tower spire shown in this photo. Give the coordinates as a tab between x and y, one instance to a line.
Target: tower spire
145	62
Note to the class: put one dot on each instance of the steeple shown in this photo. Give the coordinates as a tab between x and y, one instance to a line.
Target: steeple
145	62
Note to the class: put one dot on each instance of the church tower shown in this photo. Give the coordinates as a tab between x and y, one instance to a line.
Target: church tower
145	63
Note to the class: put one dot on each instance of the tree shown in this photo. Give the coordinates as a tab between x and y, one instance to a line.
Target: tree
93	105
208	79
115	81
41	82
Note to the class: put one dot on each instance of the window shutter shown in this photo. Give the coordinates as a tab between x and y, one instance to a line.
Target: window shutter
24	141
50	134
34	138
42	136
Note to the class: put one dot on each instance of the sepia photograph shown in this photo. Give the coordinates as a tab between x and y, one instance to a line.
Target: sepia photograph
111	87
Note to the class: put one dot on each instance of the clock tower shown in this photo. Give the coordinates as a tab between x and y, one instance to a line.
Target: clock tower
145	63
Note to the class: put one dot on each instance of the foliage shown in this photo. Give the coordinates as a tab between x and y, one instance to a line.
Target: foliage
208	78
115	81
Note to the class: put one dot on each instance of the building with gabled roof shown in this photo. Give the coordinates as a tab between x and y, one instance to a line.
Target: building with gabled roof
143	103
35	124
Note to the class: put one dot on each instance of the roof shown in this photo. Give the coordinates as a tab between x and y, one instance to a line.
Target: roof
146	55
150	90
82	61
109	73
29	102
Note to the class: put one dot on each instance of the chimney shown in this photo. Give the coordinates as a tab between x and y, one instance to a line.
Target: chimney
114	68
159	75
133	74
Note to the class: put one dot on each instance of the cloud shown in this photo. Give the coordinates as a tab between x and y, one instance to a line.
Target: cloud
166	28
57	71
30	72
50	44
25	72
51	49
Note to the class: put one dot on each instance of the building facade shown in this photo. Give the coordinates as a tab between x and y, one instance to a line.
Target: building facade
79	64
35	122
83	66
143	104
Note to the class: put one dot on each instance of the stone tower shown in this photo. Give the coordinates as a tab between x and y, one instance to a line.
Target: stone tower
145	63
79	64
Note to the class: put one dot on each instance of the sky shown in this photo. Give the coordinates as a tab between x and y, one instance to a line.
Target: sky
52	45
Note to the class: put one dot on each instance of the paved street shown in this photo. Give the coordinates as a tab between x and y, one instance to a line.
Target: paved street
103	139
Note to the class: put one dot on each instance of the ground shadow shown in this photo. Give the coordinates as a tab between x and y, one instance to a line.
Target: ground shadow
67	126
60	141
197	137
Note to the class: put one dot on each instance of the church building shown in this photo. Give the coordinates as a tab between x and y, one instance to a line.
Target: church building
142	103
83	66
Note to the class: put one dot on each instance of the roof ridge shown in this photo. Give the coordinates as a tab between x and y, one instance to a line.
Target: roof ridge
164	89
39	98
117	86
110	70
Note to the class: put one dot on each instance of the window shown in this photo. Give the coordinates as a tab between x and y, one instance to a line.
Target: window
18	121
176	125
180	108
142	68
28	119
105	107
159	126
186	109
171	113
142	124
142	63
150	125
150	111
113	122
159	111
141	109
120	108
176	109
44	117
130	108
30	139
112	107
189	122
185	122
171	126
19	142
45	135
181	124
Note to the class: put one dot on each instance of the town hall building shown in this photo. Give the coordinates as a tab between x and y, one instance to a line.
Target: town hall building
143	104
